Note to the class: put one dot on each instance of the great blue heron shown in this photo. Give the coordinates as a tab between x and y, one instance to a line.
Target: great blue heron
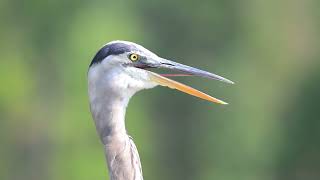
117	71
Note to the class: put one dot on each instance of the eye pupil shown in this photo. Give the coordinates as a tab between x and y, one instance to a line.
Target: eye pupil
133	57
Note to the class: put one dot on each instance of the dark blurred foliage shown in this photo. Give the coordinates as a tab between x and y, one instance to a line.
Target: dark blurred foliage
270	130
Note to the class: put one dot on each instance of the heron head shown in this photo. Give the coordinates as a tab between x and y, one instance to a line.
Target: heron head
125	67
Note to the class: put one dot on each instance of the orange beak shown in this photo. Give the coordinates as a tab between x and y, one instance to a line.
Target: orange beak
163	81
185	70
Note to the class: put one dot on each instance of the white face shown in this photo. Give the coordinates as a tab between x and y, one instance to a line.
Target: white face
113	75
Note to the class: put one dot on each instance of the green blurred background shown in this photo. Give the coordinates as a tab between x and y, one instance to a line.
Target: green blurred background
270	130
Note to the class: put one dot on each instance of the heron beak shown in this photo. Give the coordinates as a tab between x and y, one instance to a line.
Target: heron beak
162	79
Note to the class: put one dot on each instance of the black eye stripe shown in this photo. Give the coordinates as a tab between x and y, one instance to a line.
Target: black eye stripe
111	49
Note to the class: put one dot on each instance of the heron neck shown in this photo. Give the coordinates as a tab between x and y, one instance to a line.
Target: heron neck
109	115
121	153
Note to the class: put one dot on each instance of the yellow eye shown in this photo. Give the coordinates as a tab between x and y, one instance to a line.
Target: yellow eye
134	57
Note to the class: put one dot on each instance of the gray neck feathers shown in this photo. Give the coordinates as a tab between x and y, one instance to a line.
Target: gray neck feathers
108	110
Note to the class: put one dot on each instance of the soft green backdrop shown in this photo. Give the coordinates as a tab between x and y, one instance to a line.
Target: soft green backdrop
270	130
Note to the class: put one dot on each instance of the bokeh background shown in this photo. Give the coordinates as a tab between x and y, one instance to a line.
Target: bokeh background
270	130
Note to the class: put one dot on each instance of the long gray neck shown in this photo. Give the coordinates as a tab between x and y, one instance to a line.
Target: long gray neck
108	111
